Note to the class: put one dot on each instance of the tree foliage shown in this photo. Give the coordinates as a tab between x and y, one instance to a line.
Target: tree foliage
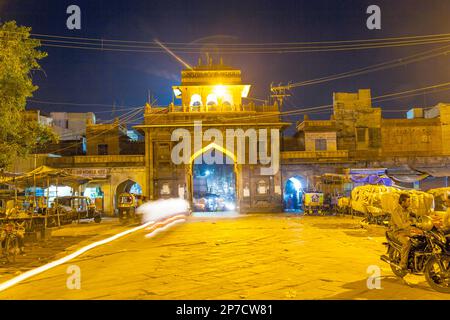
19	58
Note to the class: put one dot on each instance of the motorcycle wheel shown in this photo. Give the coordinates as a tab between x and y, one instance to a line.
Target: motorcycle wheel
97	219
11	248
435	278
394	256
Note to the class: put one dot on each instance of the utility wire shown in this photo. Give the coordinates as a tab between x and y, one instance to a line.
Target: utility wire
376	67
258	51
243	44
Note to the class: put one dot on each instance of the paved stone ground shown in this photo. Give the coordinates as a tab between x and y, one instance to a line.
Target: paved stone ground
250	257
62	241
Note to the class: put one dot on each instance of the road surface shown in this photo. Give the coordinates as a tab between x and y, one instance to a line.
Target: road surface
264	256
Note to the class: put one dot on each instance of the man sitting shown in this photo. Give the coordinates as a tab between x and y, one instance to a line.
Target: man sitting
401	227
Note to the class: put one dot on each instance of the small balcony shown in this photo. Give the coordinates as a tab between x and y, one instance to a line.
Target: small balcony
314	155
317	125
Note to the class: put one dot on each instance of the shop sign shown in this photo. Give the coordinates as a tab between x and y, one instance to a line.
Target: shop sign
90	172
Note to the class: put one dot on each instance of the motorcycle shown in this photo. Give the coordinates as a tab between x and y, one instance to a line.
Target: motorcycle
429	255
376	216
10	238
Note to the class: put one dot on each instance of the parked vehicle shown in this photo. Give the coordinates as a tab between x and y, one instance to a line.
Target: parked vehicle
127	205
76	208
313	203
429	255
199	204
11	239
212	202
376	215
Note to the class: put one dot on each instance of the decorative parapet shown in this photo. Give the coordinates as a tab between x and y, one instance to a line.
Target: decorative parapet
96	161
317	125
342	154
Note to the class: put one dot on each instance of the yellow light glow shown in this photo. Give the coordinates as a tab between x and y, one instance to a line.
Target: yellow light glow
245	91
213	146
220	90
177	92
153	226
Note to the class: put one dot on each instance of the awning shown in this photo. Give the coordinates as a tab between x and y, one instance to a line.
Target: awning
44	175
367	171
405	174
372	179
435	171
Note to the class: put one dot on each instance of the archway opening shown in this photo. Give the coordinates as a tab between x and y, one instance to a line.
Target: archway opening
213	183
127	187
293	194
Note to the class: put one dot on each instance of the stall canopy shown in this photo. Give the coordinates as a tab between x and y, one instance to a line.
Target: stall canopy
43	177
370	176
6	176
405	174
372	179
437	172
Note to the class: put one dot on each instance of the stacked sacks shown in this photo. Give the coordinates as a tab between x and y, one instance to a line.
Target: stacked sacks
368	197
421	202
389	201
343	205
441	215
344	202
382	199
439	194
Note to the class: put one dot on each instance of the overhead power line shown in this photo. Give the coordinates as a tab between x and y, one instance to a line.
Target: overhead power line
230	48
425	55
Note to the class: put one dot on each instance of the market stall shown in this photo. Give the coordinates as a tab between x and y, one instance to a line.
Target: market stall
32	211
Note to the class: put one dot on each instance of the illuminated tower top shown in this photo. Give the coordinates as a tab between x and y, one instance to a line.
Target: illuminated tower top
212	87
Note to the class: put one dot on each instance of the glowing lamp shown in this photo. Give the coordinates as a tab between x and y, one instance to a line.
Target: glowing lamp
177	92
297	184
245	91
220	90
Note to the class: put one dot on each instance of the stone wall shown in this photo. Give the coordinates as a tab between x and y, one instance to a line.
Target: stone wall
412	137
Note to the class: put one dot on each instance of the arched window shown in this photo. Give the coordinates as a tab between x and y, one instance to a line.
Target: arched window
165	188
196	102
227	102
262	187
211	100
227	99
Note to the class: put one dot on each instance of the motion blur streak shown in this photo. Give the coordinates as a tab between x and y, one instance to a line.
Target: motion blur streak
163	209
165	226
151	210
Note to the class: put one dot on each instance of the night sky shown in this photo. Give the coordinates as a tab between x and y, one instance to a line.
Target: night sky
82	76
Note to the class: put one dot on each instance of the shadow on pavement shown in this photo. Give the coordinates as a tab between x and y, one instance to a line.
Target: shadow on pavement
392	288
